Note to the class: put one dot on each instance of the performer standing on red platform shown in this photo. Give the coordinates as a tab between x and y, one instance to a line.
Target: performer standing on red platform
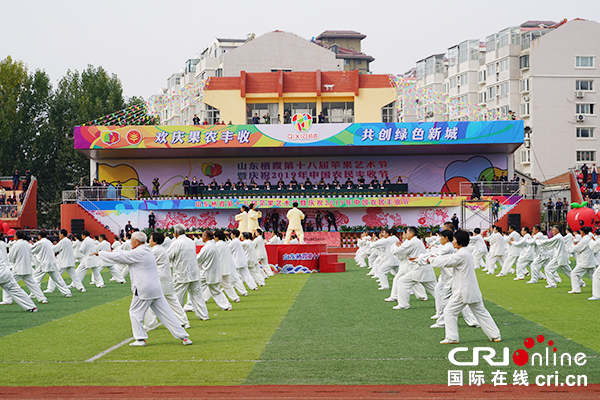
295	218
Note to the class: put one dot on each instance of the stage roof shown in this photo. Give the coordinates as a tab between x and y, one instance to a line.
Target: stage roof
301	138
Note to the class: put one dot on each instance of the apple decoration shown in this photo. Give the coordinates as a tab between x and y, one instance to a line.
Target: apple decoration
580	215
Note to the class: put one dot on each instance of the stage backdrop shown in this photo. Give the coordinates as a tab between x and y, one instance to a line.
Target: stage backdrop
421	173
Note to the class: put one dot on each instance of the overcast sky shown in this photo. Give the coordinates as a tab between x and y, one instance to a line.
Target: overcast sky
144	42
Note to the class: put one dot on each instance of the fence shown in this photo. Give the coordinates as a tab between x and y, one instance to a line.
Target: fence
500	189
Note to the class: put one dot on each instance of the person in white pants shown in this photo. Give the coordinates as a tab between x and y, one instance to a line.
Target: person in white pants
261	252
146	288
595	246
44	251
104	245
512	252
126	246
66	262
252	258
186	275
240	261
585	262
361	254
210	272
295	217
559	256
389	262
480	249
10	286
541	255
497	249
465	291
89	261
420	272
231	280
20	259
166	283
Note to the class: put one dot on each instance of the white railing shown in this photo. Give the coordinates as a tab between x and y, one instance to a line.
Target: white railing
100	216
496	188
97	193
69	196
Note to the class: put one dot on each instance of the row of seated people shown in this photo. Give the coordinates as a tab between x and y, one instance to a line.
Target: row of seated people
196	187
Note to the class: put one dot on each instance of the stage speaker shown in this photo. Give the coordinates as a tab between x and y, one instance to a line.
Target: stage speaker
77	225
515	219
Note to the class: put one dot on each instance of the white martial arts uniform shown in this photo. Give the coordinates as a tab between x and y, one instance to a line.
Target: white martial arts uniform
88	261
211	275
20	259
586	263
540	260
512	254
253	217
243	222
66	262
419	272
295	218
231	280
252	259
186	275
124	268
496	252
261	253
147	291
559	258
166	283
480	250
465	291
241	264
595	246
361	254
389	262
10	286
43	249
526	255
408	249
104	245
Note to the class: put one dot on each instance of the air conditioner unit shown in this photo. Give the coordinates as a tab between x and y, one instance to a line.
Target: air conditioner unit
579	94
525	98
580	117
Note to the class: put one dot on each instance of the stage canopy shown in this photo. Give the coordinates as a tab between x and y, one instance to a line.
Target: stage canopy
300	138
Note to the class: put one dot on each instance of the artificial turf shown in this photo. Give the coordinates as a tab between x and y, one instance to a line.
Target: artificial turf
340	331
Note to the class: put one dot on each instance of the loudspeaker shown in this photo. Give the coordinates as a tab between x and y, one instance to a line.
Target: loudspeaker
77	225
515	219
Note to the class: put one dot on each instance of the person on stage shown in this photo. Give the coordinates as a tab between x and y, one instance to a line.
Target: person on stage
243	220
253	217
295	217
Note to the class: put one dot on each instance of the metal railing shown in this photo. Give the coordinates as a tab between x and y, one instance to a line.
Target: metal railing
500	189
97	193
9	211
69	196
100	215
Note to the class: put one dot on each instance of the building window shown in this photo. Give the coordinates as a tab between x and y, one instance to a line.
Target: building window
339	112
359	62
211	114
389	113
585	133
504	89
491	92
525	156
482	96
586	156
584	62
219	72
584	85
504	111
463	79
584	109
491	69
453	82
445	87
481	76
301	108
524	109
524	85
262	109
177	81
524	62
504	65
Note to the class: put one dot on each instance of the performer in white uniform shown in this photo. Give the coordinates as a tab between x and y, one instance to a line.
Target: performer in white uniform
89	261
512	252
497	251
166	283
559	256
480	249
20	259
231	280
10	286
239	259
210	272
295	217
186	275
66	262
104	245
526	253
363	245
419	272
584	256
261	252
44	251
253	217
465	291
146	288
389	262
541	255
243	220
252	258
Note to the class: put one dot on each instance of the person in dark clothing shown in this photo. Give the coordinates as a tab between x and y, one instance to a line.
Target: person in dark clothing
275	220
476	195
16	177
318	218
321	118
128	227
584	172
330	221
454	221
255	119
152	220
186	186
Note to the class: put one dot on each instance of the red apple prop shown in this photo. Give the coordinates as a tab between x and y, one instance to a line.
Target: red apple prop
580	216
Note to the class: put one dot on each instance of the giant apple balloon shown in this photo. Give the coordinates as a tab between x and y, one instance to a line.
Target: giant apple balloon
5	227
11	232
580	216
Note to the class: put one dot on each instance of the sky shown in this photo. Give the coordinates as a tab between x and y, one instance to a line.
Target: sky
144	42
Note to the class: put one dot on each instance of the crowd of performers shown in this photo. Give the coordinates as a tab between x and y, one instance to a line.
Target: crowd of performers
162	272
458	254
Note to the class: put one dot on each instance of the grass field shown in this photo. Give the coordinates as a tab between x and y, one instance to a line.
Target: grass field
299	329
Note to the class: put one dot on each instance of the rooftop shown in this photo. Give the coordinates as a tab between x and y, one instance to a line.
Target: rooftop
341	34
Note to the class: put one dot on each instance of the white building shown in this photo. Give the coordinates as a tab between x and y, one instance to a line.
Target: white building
541	71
